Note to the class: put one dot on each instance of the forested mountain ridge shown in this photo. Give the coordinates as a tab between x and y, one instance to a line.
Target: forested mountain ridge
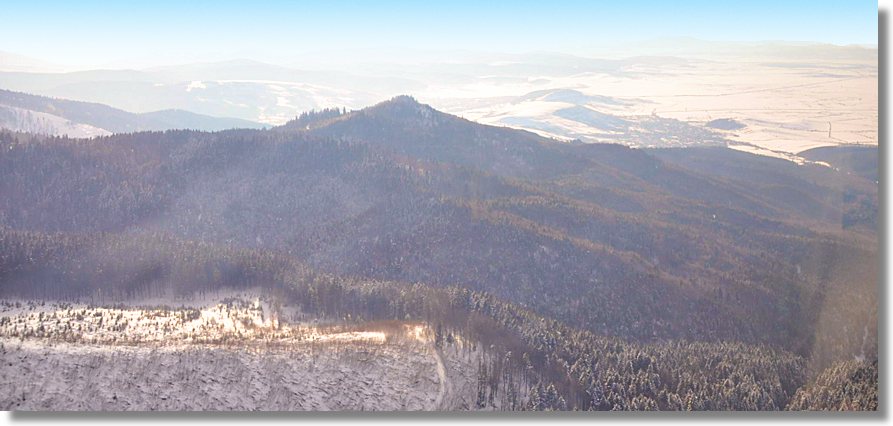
561	368
860	160
644	246
786	192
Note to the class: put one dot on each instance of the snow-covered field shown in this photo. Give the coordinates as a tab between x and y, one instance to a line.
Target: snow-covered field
787	105
238	354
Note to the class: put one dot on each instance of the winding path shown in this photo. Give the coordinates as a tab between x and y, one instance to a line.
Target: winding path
445	386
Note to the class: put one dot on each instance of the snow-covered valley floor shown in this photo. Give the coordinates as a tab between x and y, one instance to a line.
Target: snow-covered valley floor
235	355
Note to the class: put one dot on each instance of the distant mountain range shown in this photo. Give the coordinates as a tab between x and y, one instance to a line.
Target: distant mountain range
679	93
244	89
40	114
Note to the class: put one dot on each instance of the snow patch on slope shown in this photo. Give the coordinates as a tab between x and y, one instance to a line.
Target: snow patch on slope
23	120
243	352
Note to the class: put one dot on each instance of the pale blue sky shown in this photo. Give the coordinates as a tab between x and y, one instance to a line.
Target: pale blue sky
98	33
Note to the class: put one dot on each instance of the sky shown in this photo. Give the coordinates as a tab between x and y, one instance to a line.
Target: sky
100	34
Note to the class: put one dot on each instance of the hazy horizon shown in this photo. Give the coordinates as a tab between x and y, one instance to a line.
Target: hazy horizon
102	35
323	59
